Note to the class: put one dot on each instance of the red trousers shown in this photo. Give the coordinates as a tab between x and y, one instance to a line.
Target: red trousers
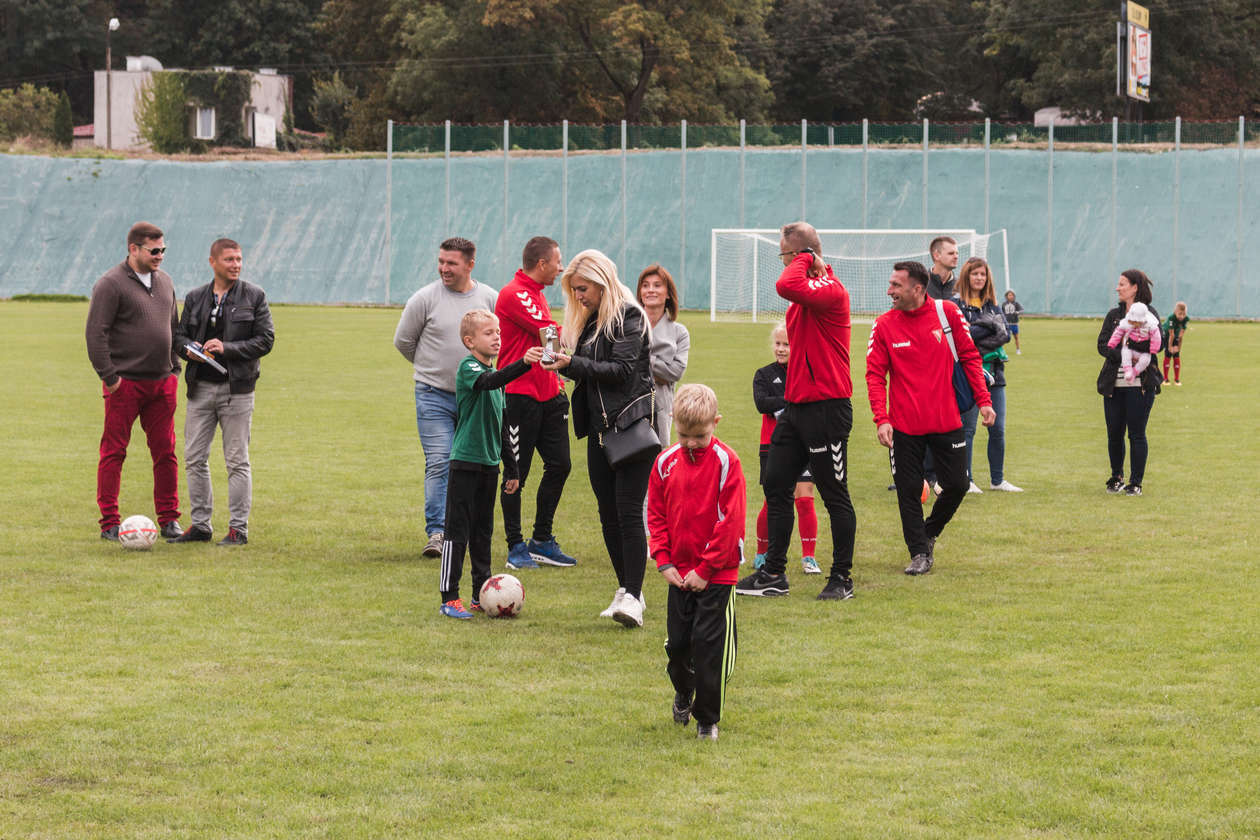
153	401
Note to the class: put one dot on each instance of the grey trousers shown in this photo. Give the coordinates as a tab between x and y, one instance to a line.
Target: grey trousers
213	405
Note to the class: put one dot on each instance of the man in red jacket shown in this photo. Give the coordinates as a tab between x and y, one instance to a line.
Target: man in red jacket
814	428
696	509
537	411
918	411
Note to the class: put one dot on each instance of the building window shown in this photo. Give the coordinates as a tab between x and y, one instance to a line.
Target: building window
204	126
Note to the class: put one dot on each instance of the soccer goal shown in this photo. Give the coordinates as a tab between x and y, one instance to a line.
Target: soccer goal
744	266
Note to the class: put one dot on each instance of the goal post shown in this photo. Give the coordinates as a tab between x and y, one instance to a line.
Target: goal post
744	266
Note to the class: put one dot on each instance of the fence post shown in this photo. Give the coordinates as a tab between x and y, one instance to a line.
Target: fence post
866	148
622	266
1050	216
503	234
1238	223
742	153
925	174
803	141
1112	270
682	216
564	187
1176	203
447	218
987	228
389	204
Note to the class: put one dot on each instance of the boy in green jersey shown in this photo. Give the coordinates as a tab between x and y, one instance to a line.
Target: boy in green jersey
476	451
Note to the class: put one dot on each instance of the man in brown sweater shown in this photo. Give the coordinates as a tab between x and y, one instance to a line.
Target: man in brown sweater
130	323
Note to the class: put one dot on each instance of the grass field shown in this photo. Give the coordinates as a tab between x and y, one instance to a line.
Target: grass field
1077	665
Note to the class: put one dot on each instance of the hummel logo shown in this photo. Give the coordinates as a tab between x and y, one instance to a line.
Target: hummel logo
669	468
815	285
901	344
814	451
959	445
529	305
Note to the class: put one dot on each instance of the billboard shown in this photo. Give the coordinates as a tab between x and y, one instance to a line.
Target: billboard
1139	40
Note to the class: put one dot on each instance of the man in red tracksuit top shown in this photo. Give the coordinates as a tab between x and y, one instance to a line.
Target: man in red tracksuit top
696	508
537	412
918	411
814	428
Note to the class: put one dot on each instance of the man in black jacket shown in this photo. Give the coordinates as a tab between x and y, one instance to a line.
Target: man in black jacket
227	320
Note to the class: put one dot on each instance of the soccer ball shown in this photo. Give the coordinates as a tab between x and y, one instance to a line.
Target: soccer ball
502	596
137	532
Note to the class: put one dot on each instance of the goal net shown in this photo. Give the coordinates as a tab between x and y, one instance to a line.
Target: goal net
745	265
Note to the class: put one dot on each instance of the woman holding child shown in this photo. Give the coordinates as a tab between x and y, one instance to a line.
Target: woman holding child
610	360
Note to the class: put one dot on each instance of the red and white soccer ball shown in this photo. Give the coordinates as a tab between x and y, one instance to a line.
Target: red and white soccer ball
137	532
502	596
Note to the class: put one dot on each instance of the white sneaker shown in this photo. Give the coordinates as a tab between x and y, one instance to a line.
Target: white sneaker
974	489
617	596
629	612
1006	487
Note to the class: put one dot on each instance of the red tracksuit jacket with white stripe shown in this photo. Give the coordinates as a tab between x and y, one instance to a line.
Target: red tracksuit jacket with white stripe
818	327
522	312
911	346
696	507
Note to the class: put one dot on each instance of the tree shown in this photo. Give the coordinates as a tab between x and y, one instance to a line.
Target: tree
63	122
330	107
162	115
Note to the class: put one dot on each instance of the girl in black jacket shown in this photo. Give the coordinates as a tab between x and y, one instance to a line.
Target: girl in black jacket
1126	406
607	334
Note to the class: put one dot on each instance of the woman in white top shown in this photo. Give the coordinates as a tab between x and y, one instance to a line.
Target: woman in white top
670	341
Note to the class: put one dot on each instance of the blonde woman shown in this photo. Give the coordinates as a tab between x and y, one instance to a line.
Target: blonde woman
608	354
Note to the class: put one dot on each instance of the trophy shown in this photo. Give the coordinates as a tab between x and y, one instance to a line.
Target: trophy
547	337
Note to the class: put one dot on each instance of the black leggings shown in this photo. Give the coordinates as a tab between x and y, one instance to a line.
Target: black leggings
620	494
1128	409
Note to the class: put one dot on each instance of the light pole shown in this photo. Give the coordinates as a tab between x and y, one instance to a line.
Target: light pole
109	85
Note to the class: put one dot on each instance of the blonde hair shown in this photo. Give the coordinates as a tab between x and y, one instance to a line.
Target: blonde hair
473	319
695	405
595	267
1180	306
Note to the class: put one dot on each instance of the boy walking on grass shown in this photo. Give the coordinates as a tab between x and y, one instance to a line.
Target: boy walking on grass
476	451
696	506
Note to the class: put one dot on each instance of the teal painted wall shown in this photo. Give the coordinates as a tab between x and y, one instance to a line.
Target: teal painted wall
315	231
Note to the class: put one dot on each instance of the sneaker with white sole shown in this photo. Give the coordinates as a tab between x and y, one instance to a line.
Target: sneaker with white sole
763	583
920	564
617	596
707	731
810	566
1133	489
548	552
519	557
455	609
1006	487
433	548
629	612
974	488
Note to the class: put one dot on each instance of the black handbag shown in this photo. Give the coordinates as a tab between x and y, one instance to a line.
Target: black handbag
637	440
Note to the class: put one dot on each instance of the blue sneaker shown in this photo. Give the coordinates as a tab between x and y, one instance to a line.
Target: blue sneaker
518	557
759	561
455	609
549	552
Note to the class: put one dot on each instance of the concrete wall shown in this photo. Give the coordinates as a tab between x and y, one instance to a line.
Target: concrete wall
315	231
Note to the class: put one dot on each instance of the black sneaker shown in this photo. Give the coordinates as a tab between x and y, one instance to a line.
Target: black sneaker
234	537
707	731
1115	484
920	564
196	533
1133	489
837	590
110	533
681	709
762	582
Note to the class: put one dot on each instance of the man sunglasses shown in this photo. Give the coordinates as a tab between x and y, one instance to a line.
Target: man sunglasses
152	251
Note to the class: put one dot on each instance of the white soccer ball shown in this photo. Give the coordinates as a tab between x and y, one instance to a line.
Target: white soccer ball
137	532
502	596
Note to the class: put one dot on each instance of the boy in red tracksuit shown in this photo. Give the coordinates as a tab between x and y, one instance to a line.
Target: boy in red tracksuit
537	411
918	410
696	507
813	430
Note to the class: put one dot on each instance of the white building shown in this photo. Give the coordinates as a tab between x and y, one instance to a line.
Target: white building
264	115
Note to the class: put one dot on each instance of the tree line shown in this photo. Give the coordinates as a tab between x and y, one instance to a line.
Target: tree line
358	63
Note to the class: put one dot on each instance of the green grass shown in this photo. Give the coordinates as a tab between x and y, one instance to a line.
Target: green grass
1077	665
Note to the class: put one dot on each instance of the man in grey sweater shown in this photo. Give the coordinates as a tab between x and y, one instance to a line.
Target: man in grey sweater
130	322
428	337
